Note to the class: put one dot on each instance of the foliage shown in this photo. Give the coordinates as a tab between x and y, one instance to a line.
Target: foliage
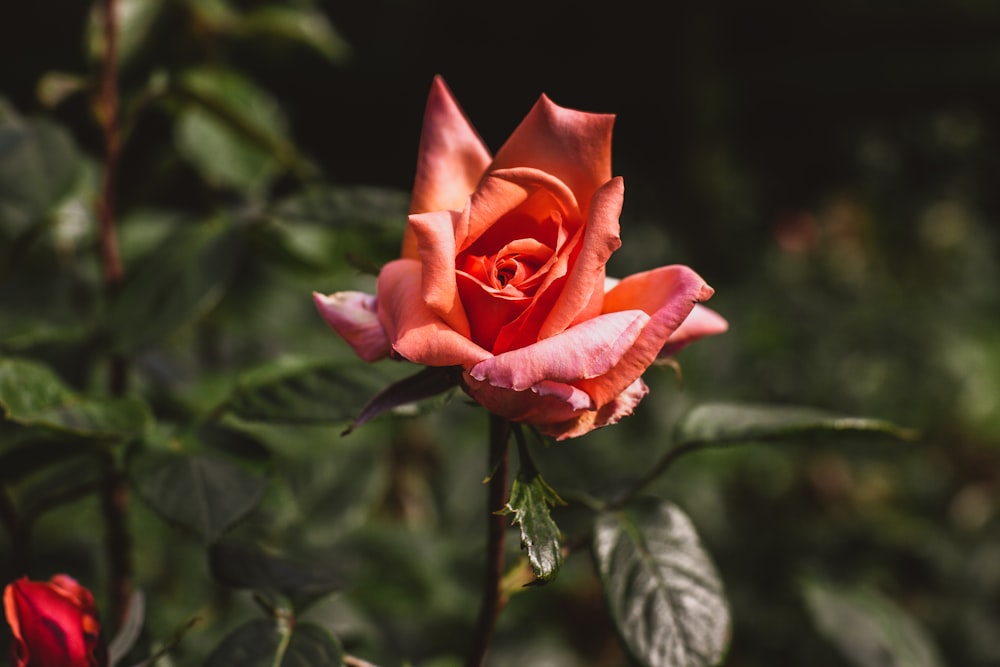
288	504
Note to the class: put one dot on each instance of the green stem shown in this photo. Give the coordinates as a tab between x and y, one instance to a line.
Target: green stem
496	525
661	467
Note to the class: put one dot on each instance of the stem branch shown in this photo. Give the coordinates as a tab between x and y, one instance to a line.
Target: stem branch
496	525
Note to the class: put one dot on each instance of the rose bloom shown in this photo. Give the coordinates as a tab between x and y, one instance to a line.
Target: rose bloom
503	274
54	624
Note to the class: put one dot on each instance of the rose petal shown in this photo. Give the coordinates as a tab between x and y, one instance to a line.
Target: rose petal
667	295
585	285
354	316
699	323
548	404
488	311
622	406
534	194
587	350
451	159
435	234
416	332
574	146
48	624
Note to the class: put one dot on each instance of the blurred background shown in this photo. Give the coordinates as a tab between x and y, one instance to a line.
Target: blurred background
829	167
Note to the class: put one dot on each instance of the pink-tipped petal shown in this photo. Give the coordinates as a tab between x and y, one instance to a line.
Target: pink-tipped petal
585	285
622	406
587	350
574	146
451	159
354	316
416	332
701	322
667	295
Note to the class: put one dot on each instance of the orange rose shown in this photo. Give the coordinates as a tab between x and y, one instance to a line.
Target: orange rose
54	624
503	274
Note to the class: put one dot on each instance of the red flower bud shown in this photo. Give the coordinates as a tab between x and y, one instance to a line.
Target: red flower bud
54	624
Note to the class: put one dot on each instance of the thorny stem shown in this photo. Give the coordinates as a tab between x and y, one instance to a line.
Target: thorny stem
492	600
114	491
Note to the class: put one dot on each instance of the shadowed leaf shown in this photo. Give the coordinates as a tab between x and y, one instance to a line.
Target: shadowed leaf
39	165
204	493
661	587
259	642
869	629
428	383
179	281
241	565
298	24
306	392
721	423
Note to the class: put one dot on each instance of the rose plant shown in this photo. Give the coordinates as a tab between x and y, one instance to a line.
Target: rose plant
503	274
54	624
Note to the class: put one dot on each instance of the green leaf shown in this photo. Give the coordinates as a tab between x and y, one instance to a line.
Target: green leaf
308	227
263	643
722	423
250	645
429	382
869	629
182	279
232	131
207	494
530	500
20	332
346	207
661	587
32	394
308	392
136	20
242	565
306	26
39	165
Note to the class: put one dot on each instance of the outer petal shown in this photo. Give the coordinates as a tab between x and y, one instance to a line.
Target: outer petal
550	403
601	238
668	295
48	625
587	350
416	332
622	406
700	323
435	234
451	159
574	146
354	316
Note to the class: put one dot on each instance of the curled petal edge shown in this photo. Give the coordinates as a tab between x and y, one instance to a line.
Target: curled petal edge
354	316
